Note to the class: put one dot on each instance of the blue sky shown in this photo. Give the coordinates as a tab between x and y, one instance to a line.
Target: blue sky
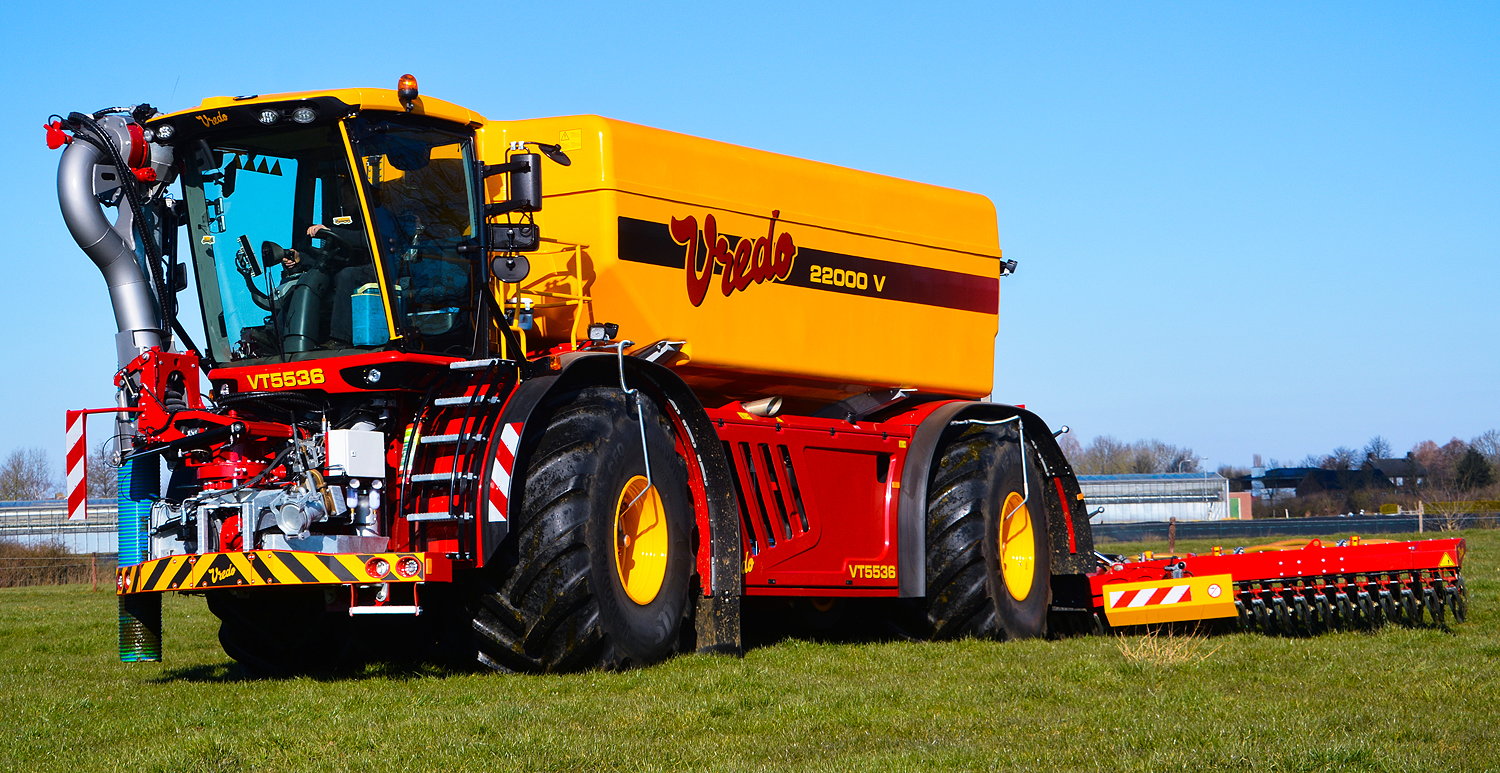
1244	228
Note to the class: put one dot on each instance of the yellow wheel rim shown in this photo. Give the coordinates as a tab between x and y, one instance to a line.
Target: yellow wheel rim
640	540
1017	547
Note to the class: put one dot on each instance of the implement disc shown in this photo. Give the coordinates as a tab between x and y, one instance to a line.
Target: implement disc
1390	611
1411	608
1458	600
1348	617
1369	611
1433	600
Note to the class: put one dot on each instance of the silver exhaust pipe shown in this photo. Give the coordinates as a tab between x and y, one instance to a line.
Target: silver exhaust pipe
83	170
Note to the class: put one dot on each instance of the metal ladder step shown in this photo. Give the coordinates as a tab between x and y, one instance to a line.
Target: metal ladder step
455	438
431	477
386	610
443	402
429	517
477	364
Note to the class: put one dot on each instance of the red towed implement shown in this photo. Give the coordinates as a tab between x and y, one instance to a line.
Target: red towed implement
1290	590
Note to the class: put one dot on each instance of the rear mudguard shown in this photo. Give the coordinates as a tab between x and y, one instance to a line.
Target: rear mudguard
1068	530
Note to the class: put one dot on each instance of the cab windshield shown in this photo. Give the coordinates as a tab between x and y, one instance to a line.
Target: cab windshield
282	242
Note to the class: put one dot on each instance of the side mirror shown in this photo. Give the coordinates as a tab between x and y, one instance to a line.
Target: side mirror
226	186
177	281
524	184
513	237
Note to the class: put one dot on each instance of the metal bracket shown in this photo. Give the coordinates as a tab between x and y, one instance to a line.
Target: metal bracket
635	396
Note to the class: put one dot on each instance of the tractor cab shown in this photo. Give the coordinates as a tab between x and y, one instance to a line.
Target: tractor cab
331	224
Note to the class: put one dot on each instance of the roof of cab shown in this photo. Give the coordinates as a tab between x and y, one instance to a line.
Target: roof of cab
365	99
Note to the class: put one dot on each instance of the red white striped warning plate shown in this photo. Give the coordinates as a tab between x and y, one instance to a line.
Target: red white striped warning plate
77	464
500	472
1145	596
1167	601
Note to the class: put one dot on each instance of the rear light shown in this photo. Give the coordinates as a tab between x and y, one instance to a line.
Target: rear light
408	567
377	567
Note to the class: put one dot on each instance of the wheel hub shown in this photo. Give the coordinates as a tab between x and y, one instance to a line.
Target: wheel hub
1017	547
640	540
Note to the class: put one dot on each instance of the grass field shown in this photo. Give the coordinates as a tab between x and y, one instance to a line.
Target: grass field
1398	700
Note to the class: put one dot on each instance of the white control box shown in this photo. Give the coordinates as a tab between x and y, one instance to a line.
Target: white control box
356	453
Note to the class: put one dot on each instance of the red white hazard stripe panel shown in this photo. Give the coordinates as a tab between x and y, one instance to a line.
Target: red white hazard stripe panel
500	472
77	463
1145	596
1170	600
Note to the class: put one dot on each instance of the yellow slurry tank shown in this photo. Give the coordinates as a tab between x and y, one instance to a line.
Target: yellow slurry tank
825	281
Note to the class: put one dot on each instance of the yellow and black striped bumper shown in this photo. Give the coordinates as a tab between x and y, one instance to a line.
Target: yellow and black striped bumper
269	568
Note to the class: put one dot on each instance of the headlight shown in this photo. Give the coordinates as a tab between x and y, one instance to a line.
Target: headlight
269	116
165	131
304	115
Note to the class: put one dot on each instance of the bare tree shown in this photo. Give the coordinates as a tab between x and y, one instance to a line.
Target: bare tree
1105	455
1180	459
1488	444
1441	461
1342	458
26	474
102	475
1378	447
1071	448
1444	506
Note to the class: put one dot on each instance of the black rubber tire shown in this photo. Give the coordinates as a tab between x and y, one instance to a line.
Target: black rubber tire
976	468
279	632
554	601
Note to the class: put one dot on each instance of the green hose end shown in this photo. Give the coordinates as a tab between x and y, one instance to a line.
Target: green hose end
140	628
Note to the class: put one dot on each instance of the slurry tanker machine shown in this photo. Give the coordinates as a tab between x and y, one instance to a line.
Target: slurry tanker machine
429	416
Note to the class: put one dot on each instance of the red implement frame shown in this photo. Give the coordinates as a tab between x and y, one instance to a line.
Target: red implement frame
1313	574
